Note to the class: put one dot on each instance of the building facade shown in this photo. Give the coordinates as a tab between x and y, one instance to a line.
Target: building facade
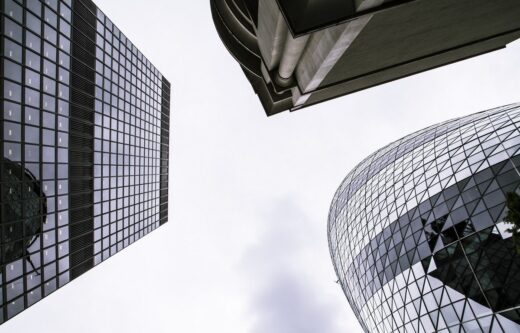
300	53
85	134
417	233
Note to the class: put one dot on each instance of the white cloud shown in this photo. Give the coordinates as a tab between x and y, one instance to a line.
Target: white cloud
285	297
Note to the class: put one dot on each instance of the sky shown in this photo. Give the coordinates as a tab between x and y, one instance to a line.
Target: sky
245	249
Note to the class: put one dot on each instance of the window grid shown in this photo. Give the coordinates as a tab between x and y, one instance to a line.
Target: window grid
131	111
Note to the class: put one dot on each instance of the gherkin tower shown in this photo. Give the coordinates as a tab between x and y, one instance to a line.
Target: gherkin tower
417	232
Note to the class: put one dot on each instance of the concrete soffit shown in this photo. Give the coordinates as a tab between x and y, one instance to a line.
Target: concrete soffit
300	64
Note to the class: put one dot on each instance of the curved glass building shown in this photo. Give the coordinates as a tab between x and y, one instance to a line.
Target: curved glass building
417	233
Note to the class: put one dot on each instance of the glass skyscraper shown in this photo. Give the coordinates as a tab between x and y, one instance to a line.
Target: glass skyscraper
85	134
417	232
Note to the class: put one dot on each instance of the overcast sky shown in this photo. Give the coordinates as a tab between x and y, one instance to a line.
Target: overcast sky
245	249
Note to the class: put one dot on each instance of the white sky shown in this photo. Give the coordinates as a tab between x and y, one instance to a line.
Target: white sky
245	249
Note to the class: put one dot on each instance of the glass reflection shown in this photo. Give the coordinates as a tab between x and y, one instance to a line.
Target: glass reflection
25	209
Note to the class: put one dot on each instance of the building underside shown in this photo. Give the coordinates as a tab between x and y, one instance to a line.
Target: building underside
297	55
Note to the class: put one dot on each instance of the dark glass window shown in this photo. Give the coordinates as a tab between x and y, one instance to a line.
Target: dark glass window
49	103
12	71
49	120
63	75
50	34
49	68
63	171
48	170
65	13
32	134
12	151
49	51
12	91
64	27
32	153
48	154
64	59
13	30
32	41
63	107
32	60
50	17
12	131
63	91
32	97
12	50
49	86
48	137
35	7
14	10
63	123
64	44
32	116
12	111
34	23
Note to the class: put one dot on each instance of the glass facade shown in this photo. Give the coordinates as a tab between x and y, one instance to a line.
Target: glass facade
417	233
85	128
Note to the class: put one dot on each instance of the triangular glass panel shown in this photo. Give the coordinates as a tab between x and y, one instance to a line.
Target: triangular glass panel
434	316
426	321
457	204
512	151
497	167
438	295
463	183
439	245
496	212
434	282
496	231
478	309
469	228
482	187
448	224
454	294
468	313
489	151
445	298
441	324
470	207
493	186
417	305
495	327
510	187
450	203
470	182
482	221
459	308
485	323
506	166
507	324
455	329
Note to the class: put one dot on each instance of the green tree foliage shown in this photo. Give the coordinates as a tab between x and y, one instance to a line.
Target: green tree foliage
513	217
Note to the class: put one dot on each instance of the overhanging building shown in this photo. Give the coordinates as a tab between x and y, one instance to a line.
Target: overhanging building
299	53
85	130
417	233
